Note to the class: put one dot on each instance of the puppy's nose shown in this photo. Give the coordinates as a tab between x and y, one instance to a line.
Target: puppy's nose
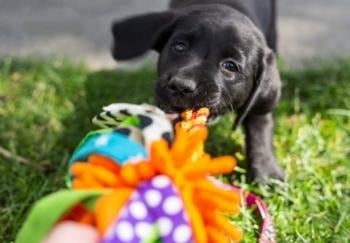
181	87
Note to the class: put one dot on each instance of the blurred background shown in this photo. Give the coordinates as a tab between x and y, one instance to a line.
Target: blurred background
309	30
46	106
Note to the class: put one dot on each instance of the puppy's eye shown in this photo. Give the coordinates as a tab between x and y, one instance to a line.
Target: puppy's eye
180	46
230	66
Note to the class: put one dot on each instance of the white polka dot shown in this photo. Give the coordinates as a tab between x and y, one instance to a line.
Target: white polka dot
161	182
143	230
165	226
182	233
103	140
153	198
138	210
125	231
172	205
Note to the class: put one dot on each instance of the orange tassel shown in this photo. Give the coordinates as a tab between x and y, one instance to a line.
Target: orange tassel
108	207
216	203
161	158
98	174
207	187
222	223
90	181
145	170
194	215
129	175
79	184
104	162
214	167
215	236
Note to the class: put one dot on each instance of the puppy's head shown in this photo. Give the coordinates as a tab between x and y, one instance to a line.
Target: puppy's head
210	55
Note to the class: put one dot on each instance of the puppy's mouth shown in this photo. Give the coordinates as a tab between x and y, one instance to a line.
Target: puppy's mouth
174	113
174	107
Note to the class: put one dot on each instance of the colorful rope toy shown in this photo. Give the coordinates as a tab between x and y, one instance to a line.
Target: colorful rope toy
136	180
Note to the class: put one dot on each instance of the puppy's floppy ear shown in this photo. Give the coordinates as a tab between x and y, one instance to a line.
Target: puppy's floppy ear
136	35
266	87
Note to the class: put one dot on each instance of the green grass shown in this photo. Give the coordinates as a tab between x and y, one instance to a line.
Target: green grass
46	108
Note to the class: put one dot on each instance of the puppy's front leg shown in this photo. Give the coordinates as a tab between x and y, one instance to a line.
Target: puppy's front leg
259	148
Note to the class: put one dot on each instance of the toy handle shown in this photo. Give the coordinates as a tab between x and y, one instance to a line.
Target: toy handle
267	228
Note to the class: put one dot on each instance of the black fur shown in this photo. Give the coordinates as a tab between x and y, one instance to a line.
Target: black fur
218	54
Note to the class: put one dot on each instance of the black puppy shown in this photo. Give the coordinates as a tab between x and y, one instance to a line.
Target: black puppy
218	54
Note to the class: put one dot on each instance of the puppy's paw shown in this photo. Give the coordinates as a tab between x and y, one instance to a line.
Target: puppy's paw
262	171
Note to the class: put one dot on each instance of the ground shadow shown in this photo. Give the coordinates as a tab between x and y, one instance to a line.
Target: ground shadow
103	88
